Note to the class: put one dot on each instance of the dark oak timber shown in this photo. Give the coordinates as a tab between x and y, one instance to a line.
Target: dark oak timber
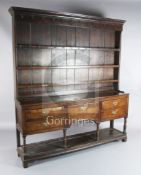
66	69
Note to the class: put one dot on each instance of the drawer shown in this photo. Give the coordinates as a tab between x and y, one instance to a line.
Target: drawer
114	113
85	111
48	124
42	113
114	103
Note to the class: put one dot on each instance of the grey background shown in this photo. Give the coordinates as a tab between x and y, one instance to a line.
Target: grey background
117	158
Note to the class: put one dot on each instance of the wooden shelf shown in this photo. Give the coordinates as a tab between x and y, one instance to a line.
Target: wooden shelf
104	81
57	85
65	47
66	67
78	95
55	147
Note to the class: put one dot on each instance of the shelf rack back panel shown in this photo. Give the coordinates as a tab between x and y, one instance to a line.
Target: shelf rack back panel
65	54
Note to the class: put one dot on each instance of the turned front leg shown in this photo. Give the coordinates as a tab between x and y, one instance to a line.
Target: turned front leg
111	124
24	142
65	137
125	125
97	130
18	138
17	132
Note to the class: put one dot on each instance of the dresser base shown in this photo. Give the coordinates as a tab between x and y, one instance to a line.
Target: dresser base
55	147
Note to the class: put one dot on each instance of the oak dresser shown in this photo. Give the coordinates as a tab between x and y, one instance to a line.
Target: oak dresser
66	73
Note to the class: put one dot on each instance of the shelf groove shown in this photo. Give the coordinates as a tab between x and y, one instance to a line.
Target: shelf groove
66	67
63	84
66	47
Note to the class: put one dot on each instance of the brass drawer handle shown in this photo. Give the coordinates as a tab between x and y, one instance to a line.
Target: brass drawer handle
45	124
115	103
115	111
84	108
46	111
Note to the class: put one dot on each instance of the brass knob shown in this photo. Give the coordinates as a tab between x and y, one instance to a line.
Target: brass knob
46	121
45	114
115	103
115	111
84	108
45	124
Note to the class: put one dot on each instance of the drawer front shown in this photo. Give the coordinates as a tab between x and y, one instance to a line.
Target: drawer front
48	124
114	113
34	114
115	103
86	111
